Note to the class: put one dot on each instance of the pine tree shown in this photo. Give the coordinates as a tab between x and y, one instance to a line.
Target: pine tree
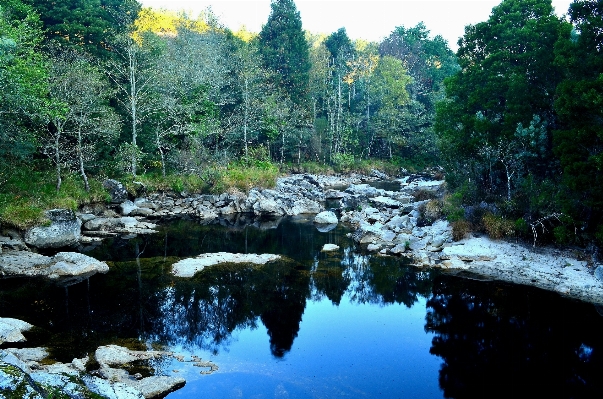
284	49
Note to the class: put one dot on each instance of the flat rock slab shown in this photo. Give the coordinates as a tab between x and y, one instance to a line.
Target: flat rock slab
188	267
64	266
114	355
502	261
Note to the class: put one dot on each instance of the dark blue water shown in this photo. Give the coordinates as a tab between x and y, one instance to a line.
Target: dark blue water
315	325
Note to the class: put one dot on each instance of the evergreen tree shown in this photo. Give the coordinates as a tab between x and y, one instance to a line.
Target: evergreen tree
506	84
88	23
579	141
285	51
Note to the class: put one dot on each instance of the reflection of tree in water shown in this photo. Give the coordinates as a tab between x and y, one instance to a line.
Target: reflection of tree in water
138	298
386	280
513	342
204	311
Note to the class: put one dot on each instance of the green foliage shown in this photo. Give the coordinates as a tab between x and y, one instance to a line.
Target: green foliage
23	82
27	193
284	49
453	207
244	178
578	142
89	24
499	107
343	162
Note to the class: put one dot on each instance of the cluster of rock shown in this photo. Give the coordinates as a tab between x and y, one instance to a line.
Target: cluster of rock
23	371
389	223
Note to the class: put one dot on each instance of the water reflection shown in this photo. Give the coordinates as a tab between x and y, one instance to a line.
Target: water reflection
490	338
513	342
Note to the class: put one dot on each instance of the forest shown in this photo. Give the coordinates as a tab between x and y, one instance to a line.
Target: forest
91	89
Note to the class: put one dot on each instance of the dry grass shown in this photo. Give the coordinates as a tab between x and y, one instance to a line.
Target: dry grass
460	229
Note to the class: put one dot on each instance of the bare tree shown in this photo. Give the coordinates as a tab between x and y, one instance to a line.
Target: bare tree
133	71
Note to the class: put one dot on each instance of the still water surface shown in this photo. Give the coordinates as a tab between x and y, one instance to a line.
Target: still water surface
316	325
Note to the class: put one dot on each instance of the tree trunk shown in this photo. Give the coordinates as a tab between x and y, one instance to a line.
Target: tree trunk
81	160
161	153
57	157
246	119
133	103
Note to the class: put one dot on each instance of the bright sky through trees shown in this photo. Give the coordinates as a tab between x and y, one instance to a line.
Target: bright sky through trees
371	20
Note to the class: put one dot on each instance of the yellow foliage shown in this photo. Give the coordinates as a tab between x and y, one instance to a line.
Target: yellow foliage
245	35
164	22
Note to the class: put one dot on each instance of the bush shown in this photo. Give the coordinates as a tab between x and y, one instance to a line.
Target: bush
497	227
460	229
245	178
453	207
343	163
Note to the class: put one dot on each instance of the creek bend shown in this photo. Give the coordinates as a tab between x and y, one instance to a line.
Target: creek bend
315	324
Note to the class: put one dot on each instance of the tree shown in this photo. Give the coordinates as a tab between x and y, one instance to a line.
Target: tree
428	61
193	78
86	120
578	141
284	49
391	81
254	83
91	24
23	82
133	71
507	79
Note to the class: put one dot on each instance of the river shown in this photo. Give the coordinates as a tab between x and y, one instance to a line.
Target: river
316	324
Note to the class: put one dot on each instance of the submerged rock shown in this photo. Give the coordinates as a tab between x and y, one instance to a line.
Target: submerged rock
188	267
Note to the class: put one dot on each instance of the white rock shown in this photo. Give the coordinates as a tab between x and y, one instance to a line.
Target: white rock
188	267
11	330
326	217
330	247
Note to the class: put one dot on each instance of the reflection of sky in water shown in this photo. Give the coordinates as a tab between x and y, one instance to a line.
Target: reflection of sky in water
354	350
318	324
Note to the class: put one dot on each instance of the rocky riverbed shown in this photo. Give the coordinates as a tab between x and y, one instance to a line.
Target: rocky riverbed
384	222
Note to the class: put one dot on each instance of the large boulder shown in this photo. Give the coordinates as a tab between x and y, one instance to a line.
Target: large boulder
11	330
64	230
116	190
64	267
127	207
326	217
304	206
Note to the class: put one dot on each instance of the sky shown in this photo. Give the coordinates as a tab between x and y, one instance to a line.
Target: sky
369	20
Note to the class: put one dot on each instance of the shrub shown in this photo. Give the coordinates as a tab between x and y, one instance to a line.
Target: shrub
460	229
497	226
343	163
453	207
